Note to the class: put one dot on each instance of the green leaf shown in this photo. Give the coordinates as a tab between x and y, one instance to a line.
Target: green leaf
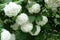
47	27
1	1
30	4
32	18
7	1
15	0
1	23
22	36
39	18
41	36
34	29
1	7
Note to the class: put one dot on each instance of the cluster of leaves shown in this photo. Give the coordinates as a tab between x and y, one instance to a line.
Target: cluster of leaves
50	31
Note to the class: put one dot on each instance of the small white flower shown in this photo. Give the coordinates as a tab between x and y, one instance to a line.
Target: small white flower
43	22
5	35
12	9
15	26
13	37
27	27
22	18
34	9
38	29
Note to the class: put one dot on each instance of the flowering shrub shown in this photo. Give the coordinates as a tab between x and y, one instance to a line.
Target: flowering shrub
30	19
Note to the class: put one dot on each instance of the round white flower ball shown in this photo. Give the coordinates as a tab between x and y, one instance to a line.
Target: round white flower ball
12	9
27	27
34	9
13	37
22	18
43	22
38	29
15	26
53	4
5	35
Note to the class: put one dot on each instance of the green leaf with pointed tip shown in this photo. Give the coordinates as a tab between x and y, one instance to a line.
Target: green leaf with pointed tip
39	18
32	18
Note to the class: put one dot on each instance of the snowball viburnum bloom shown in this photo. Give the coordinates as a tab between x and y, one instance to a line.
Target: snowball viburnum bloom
34	9
52	4
27	27
15	26
5	35
12	9
22	18
43	22
38	29
13	37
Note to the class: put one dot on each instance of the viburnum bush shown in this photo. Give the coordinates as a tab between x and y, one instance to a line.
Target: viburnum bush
29	19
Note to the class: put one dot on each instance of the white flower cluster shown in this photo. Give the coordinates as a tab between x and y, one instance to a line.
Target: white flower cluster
38	29
52	3
27	27
5	35
22	18
34	9
12	9
43	22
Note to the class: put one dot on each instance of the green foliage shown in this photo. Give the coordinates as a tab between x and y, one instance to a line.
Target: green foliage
32	18
50	31
22	36
6	1
34	29
39	18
